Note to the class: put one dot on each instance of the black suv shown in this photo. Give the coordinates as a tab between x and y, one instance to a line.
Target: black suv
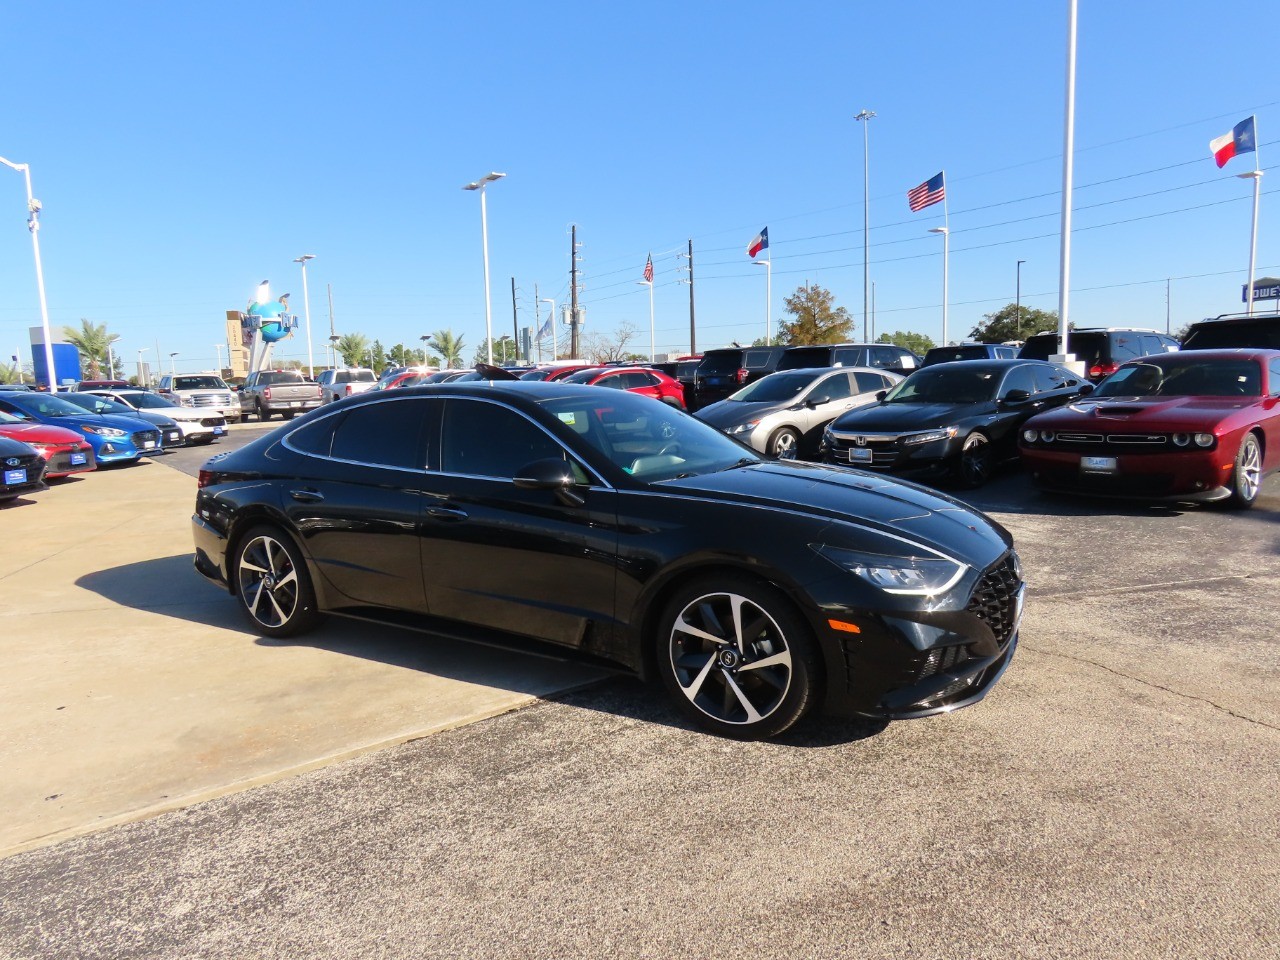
969	351
1234	330
885	356
1101	349
728	370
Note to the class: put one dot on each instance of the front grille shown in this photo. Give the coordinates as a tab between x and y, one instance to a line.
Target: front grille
1080	438
884	449
142	436
940	659
1130	438
213	422
1097	443
995	598
60	462
209	400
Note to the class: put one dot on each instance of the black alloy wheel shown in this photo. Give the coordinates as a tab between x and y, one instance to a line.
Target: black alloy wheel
1246	475
737	657
973	466
784	444
273	584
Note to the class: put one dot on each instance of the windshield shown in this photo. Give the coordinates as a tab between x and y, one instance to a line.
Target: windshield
147	401
199	383
777	387
797	358
646	438
540	374
279	377
583	376
1184	376
951	354
722	361
1087	347
947	385
1260	333
96	404
43	405
354	376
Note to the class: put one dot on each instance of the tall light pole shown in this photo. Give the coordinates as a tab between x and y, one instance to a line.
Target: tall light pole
865	116
172	371
424	338
143	380
946	250
33	224
768	299
111	360
484	241
333	346
554	331
1068	169
1018	302
218	348
306	309
653	356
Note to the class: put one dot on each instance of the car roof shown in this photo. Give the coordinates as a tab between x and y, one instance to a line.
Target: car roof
1261	354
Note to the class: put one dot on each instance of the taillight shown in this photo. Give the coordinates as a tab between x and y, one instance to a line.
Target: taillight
204	479
741	375
1103	369
348	390
266	393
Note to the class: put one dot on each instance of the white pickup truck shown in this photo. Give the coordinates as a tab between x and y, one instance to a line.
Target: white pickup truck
201	391
336	384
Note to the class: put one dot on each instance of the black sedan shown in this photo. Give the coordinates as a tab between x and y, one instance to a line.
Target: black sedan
953	419
21	469
577	519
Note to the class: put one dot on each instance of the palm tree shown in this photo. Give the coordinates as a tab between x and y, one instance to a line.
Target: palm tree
449	347
91	340
354	348
11	373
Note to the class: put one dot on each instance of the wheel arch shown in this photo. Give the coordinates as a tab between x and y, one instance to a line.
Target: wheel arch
264	515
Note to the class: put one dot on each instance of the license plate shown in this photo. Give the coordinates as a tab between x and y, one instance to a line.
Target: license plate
78	458
859	455
1099	465
218	431
148	444
15	476
175	436
295	403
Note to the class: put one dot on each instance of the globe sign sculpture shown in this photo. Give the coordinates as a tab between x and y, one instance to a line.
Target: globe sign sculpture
264	323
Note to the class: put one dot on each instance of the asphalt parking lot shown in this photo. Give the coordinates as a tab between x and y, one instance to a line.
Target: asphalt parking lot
1118	794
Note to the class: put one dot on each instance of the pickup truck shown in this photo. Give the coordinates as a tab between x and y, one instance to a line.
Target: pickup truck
336	384
278	391
201	391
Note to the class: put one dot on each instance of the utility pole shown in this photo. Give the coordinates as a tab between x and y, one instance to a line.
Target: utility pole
573	293
693	334
515	322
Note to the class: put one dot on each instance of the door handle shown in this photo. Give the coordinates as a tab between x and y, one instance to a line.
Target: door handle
444	513
307	496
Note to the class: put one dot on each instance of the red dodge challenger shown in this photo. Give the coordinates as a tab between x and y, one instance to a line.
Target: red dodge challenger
1200	425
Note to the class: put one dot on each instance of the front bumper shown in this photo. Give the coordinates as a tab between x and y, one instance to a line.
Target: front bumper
1182	476
211	552
885	453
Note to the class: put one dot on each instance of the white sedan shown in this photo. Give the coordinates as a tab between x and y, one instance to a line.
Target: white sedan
197	426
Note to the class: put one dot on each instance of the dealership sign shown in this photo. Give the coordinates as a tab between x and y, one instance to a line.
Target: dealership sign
1268	289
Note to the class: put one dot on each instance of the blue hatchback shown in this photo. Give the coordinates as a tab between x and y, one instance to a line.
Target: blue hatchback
114	438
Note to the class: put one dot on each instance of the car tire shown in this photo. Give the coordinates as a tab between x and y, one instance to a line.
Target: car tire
287	415
1246	475
273	584
784	444
974	462
263	413
737	657
202	441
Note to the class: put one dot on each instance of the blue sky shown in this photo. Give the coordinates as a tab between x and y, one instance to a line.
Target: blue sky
185	153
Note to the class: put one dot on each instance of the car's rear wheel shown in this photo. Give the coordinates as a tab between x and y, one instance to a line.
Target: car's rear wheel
273	584
784	444
1246	476
973	466
263	413
737	657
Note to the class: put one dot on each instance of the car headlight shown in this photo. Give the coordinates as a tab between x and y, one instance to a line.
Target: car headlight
1047	436
41	449
1204	439
104	431
743	428
911	576
1030	435
1181	439
943	433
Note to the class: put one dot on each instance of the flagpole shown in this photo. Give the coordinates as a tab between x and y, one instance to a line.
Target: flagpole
653	353
768	302
1256	176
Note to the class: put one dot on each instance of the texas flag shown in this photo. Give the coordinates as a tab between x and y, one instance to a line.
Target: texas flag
1241	139
761	242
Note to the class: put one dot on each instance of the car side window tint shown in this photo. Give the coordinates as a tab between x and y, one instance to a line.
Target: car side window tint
316	437
615	381
846	357
1125	346
835	387
1151	345
1273	388
382	434
482	439
869	382
1019	378
884	357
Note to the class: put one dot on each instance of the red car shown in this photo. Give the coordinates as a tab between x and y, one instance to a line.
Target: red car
642	380
1199	425
557	372
65	451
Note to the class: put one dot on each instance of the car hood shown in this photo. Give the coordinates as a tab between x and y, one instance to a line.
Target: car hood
842	495
117	420
729	413
42	433
902	417
1145	412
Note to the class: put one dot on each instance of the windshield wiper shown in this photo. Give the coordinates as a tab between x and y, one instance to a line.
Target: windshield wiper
744	462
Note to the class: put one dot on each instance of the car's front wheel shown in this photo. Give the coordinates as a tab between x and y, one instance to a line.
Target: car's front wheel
737	657
975	462
273	584
1246	476
784	444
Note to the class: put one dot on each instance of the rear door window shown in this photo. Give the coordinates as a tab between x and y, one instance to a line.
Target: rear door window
870	382
884	357
482	439
849	357
382	434
1126	347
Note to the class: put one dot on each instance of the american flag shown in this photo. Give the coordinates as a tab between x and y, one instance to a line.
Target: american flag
648	269
928	193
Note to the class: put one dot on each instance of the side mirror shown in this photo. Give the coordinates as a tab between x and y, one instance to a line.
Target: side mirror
880	395
817	401
1015	397
1086	388
551	474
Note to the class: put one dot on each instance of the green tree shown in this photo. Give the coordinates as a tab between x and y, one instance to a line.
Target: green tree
1005	324
504	351
816	320
917	343
354	349
12	373
91	340
448	348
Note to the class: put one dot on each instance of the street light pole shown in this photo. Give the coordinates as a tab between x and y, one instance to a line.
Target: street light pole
865	116
306	308
143	380
946	250
484	242
1018	302
172	372
1068	171
768	299
33	224
111	360
218	348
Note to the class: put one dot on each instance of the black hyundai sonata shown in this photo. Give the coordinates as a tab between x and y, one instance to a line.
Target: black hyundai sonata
572	518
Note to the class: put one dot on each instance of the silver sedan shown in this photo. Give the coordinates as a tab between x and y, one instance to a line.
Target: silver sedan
782	415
